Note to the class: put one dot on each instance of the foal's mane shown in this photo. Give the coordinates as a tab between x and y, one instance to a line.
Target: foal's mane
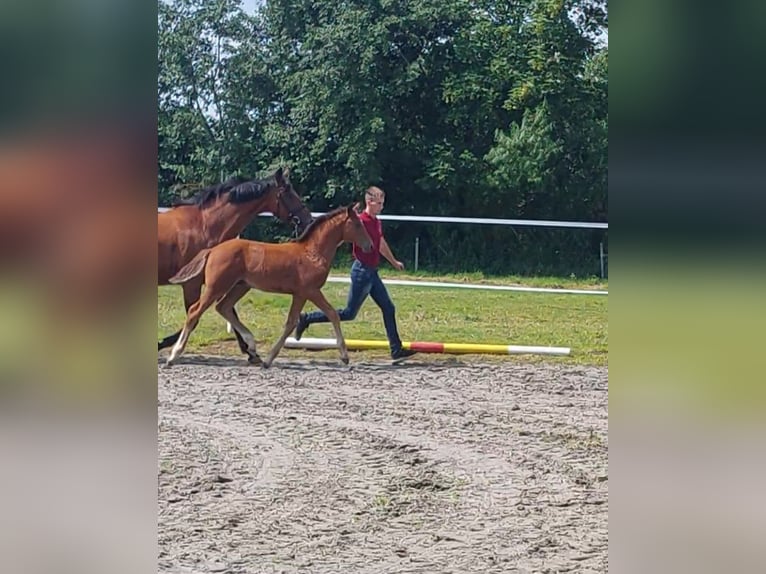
239	190
317	222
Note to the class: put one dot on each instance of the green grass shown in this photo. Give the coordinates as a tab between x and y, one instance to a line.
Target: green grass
423	314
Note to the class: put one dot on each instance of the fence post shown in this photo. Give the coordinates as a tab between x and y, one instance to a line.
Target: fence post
601	256
417	250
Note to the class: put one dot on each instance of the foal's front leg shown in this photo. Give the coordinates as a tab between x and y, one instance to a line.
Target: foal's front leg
320	301
290	323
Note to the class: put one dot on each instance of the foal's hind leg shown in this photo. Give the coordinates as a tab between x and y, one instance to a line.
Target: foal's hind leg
243	345
290	323
192	319
226	308
192	290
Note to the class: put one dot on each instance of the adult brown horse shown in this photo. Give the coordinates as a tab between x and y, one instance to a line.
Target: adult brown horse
299	268
215	214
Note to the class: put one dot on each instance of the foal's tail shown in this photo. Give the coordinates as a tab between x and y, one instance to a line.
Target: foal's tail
191	269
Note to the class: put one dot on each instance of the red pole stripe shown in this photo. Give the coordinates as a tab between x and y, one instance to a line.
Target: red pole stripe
422	347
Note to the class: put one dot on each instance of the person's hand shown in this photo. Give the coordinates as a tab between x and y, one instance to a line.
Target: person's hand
398	265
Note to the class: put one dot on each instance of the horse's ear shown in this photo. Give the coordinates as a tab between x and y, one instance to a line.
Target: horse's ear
357	207
286	173
278	176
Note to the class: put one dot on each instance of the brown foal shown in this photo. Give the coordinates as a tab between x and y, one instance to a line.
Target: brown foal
298	268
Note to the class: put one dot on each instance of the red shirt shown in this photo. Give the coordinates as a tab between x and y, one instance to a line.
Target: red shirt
375	231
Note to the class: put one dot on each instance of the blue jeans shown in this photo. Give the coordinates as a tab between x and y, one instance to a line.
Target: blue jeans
365	281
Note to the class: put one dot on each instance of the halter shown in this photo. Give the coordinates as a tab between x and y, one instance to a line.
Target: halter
294	218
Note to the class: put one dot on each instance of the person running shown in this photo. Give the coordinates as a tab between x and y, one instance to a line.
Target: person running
366	281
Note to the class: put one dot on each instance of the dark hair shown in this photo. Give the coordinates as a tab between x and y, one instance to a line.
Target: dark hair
239	189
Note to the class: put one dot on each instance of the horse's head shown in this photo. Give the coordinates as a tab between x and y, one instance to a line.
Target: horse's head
354	231
288	205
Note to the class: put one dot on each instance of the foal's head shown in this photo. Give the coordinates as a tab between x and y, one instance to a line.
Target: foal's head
354	231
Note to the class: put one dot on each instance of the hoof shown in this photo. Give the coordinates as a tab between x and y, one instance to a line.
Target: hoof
344	360
167	364
254	360
265	365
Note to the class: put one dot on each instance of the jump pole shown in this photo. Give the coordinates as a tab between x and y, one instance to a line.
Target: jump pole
426	347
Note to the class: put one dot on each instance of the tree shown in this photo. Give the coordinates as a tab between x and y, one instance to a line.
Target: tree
456	107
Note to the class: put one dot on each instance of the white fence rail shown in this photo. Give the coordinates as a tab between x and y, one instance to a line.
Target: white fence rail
446	285
483	221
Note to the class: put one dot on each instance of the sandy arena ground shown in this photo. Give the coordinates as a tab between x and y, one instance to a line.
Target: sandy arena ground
434	466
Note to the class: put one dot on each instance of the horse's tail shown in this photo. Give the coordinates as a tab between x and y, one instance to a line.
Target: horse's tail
191	269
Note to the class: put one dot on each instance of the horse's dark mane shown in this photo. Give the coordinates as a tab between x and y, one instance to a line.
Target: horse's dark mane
317	223
239	190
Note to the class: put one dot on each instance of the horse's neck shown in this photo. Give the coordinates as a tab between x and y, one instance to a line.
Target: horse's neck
326	241
227	220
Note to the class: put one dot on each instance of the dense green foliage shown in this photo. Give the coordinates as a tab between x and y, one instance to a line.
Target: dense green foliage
454	107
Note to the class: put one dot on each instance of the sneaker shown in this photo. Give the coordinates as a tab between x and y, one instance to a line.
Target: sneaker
401	355
302	326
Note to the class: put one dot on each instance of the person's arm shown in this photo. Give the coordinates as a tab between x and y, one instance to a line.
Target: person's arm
385	251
